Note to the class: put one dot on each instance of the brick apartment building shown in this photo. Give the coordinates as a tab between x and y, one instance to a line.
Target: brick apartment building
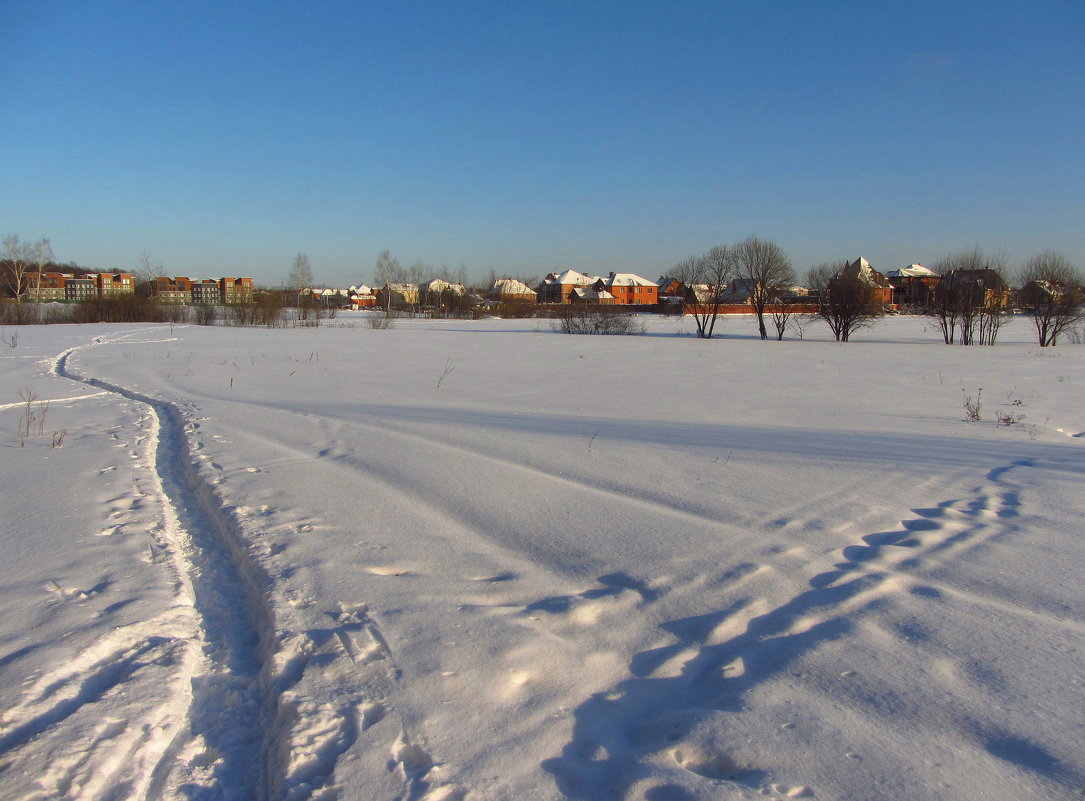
46	287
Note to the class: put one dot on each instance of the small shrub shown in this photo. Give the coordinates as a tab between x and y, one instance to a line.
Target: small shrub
120	309
517	309
243	315
379	322
972	406
597	320
206	314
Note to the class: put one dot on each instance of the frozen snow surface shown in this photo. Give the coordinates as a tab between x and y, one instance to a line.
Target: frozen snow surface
482	560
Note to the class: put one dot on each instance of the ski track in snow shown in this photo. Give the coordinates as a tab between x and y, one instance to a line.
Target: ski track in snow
213	646
228	724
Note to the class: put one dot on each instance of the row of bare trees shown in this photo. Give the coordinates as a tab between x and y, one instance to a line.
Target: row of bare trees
970	305
760	265
974	299
971	300
762	274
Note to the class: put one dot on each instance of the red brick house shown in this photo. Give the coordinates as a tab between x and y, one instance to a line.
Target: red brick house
629	289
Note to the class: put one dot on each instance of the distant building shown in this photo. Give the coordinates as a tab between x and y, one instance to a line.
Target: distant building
52	286
592	294
509	290
558	287
361	297
207	292
984	287
628	289
236	290
861	271
397	295
115	284
173	290
913	286
44	287
202	292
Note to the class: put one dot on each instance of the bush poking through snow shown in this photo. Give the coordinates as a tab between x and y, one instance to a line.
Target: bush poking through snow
1007	419
382	321
972	406
596	320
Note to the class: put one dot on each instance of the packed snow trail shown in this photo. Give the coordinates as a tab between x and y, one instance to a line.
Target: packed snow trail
229	751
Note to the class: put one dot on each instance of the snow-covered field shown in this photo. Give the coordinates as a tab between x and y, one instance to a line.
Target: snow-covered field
482	560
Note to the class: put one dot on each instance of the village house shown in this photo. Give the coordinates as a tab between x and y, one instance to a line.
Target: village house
361	297
397	296
628	289
913	286
509	290
440	293
595	294
861	271
984	287
558	287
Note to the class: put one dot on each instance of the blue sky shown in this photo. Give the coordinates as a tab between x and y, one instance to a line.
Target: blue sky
224	138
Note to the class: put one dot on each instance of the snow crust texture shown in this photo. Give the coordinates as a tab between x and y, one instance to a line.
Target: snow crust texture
451	561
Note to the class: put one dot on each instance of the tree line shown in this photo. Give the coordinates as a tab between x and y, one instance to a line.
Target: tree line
970	302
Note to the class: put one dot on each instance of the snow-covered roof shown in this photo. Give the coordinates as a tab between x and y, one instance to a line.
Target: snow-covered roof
569	277
510	286
590	293
627	279
861	269
440	285
912	271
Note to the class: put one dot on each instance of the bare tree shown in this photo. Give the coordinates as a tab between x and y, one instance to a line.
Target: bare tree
301	273
704	279
146	270
1051	292
690	274
969	302
781	308
766	268
388	270
846	301
419	272
43	254
18	256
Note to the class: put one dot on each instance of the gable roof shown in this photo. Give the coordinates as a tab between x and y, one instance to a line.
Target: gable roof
510	286
627	279
569	277
440	285
861	270
590	293
912	271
